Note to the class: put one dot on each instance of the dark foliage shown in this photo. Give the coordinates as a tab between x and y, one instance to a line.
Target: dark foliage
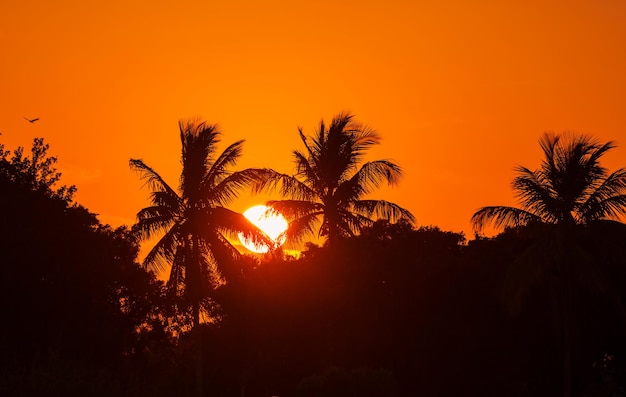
395	312
77	308
416	312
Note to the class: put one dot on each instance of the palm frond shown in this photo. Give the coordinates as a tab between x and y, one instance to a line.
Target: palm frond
176	278
339	155
150	177
224	257
597	150
301	227
230	186
218	170
294	209
609	208
536	194
163	253
305	141
287	186
230	223
307	169
341	122
150	222
157	211
166	200
209	277
548	143
381	209
606	200
363	137
230	249
199	141
501	216
368	178
352	222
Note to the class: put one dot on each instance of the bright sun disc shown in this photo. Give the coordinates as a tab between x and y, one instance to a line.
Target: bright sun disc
270	222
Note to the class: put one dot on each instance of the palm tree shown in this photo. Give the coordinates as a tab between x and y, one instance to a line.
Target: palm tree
327	191
570	196
570	187
192	222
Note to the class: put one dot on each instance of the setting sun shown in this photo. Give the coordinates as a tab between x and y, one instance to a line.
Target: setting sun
270	222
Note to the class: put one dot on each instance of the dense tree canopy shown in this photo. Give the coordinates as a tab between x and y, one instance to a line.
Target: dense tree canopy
76	303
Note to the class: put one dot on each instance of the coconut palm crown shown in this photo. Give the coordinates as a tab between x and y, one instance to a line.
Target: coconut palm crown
570	187
192	222
327	192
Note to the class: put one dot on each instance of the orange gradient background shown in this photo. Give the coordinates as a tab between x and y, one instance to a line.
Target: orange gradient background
459	90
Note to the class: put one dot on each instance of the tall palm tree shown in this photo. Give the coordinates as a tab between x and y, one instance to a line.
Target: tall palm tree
570	187
327	191
192	221
568	197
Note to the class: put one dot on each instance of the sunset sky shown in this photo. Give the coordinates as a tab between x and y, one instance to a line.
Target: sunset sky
460	91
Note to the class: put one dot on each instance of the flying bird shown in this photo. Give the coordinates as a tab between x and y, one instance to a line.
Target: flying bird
31	120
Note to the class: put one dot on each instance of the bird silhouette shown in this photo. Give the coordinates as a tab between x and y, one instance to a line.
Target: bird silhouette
31	120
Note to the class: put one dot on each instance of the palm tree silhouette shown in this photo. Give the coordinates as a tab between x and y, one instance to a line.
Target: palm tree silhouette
570	197
193	222
570	187
327	191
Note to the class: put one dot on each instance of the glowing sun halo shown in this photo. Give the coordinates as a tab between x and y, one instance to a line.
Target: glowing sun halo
270	222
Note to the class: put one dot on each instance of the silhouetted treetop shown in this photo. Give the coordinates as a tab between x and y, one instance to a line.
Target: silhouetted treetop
36	172
327	192
192	222
570	187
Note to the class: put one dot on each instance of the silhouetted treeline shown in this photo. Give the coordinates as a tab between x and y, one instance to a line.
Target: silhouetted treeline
77	309
396	311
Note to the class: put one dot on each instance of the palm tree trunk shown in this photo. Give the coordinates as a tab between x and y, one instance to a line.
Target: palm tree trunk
563	289
193	284
198	350
567	334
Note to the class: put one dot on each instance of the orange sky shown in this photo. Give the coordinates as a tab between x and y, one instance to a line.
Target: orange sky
460	90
